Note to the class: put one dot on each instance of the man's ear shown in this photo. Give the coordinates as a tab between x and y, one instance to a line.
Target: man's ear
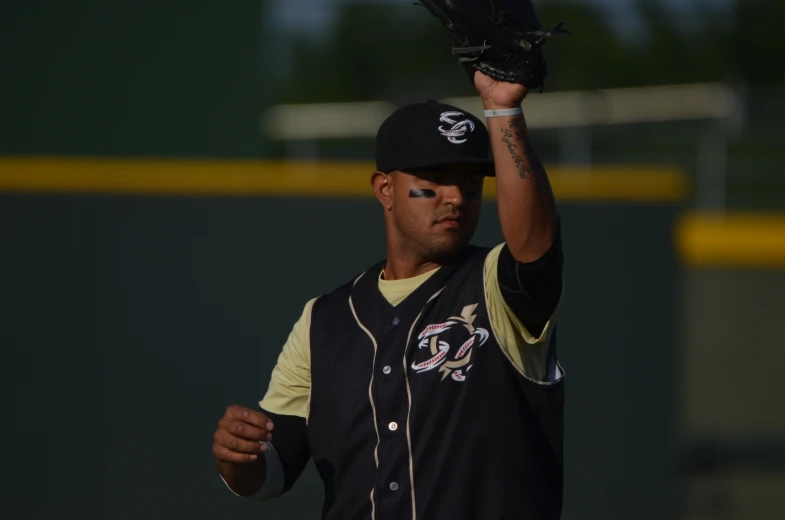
383	188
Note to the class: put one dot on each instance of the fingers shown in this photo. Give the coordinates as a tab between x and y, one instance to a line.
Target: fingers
224	454
249	416
244	430
241	435
230	448
237	444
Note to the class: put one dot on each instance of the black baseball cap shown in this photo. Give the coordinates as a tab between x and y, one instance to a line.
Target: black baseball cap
429	134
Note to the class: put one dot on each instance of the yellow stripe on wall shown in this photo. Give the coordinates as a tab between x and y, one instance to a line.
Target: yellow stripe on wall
702	240
275	178
732	240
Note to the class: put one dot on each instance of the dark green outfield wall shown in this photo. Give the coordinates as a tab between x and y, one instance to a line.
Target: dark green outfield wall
127	325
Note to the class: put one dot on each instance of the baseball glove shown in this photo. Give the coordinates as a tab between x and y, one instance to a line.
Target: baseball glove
501	38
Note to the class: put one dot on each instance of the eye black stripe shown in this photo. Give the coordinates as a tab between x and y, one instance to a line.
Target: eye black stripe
422	194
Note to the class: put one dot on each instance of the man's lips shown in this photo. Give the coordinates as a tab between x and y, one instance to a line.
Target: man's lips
449	221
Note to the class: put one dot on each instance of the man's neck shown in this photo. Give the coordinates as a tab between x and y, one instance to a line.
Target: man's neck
401	269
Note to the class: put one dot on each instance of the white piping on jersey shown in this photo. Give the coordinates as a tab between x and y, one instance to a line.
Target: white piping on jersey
370	396
499	342
310	389
409	413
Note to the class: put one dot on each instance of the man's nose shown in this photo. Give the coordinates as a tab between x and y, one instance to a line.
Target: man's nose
453	194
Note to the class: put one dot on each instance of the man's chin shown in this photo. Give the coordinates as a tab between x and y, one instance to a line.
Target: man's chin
447	250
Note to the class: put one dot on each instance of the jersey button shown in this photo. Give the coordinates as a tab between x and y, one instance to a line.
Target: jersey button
393	426
396	321
394	486
387	370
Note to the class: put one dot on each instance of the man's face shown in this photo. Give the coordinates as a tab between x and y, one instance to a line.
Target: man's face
436	211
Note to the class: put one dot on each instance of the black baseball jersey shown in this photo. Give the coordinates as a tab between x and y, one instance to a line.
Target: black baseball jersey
437	406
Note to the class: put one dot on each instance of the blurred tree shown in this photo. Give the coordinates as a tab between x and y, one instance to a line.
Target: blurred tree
664	50
374	50
594	57
757	47
379	51
676	51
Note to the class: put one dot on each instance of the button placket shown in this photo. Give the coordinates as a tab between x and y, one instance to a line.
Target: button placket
393	443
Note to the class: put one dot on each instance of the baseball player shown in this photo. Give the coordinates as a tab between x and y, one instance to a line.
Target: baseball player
427	387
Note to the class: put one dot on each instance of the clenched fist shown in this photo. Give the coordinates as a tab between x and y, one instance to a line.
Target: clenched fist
498	94
241	435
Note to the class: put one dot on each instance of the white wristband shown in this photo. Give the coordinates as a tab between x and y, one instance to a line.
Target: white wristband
504	112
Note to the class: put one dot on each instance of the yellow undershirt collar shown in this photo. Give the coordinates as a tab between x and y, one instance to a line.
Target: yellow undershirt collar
395	291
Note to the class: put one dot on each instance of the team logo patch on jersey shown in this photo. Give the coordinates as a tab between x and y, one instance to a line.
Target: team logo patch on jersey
459	129
451	362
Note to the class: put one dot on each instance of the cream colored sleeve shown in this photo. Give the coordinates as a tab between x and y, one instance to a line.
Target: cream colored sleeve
529	354
289	391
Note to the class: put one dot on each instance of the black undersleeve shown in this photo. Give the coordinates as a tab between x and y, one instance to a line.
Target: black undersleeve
532	290
290	439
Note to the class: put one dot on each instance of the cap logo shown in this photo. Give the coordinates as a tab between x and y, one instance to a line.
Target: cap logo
460	127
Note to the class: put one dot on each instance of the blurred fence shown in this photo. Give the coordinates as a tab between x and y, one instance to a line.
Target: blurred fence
725	137
573	116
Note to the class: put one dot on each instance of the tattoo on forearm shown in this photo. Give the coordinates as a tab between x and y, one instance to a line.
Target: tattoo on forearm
527	162
520	163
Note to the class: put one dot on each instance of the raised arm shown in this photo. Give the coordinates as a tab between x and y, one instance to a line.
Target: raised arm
527	210
529	268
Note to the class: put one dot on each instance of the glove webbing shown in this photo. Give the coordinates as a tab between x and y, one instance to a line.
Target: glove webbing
542	37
